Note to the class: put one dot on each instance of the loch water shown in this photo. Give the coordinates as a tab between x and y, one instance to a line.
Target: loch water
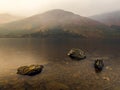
60	72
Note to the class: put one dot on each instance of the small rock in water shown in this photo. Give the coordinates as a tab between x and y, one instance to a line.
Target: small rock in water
77	54
30	70
98	65
106	78
108	68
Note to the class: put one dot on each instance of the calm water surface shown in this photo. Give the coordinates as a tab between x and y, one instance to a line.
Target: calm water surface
60	72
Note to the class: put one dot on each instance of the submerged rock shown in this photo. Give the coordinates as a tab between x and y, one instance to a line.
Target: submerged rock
108	68
30	70
56	86
77	54
106	78
98	65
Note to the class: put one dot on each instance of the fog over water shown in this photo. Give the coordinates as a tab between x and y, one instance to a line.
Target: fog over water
81	7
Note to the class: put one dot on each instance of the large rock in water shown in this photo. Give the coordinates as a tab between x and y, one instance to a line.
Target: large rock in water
30	70
99	64
77	54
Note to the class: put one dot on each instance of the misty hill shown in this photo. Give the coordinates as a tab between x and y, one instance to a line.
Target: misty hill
112	18
6	18
55	23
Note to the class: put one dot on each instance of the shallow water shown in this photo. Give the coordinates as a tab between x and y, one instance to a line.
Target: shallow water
60	72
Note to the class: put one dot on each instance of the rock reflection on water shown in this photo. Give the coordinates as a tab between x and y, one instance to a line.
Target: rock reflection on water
60	72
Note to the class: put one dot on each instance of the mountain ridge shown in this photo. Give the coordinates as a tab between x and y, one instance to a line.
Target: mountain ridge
57	20
110	18
7	18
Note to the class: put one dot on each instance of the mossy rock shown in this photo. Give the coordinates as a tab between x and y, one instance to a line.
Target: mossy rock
76	54
30	70
98	64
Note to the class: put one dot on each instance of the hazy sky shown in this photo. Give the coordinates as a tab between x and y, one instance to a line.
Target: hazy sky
82	7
